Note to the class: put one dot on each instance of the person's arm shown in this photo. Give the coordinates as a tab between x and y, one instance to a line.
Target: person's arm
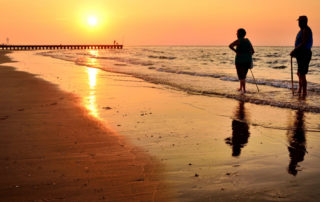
305	37
251	49
233	44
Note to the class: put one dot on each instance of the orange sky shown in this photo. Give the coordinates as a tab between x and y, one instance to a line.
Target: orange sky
155	22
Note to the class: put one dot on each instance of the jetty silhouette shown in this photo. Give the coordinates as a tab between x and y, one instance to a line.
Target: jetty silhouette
52	47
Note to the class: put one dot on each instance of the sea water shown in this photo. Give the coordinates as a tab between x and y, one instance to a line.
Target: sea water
209	71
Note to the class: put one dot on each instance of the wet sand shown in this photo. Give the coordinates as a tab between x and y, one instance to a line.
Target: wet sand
52	150
209	148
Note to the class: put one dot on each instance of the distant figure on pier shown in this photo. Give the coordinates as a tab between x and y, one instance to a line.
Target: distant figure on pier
114	42
243	61
302	52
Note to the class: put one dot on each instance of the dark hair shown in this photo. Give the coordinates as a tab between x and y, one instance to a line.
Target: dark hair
241	33
303	20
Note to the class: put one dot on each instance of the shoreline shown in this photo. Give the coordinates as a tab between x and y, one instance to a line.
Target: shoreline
51	149
275	91
209	148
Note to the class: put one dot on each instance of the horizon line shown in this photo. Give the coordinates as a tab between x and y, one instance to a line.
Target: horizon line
158	45
218	45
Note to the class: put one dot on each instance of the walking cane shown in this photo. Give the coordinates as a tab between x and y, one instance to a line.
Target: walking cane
254	80
292	78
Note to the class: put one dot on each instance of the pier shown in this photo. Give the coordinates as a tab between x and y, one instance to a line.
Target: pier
54	47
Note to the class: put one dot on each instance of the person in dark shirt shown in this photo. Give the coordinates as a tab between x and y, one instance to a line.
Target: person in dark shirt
302	52
244	52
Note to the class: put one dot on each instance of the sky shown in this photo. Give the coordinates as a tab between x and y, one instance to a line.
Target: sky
155	22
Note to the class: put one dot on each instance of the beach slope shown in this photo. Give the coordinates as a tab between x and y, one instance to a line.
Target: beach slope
51	149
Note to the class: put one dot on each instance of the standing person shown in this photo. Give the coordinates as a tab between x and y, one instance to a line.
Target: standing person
302	52
244	52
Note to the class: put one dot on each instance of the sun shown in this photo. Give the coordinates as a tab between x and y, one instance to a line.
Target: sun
92	21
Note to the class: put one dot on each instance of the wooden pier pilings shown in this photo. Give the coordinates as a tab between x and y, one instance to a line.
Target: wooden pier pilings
53	47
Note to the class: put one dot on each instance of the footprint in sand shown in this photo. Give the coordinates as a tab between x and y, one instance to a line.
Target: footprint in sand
4	117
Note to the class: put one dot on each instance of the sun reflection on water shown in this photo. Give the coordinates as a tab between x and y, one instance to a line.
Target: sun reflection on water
91	103
92	73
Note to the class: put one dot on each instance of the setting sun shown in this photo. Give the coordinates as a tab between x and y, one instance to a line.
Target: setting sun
92	21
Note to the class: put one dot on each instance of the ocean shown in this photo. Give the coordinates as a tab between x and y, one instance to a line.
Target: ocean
208	71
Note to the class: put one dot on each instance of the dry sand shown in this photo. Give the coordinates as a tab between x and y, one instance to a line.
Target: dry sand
51	150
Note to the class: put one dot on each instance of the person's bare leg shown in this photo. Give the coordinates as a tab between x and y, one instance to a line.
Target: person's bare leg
300	83
240	88
304	84
244	85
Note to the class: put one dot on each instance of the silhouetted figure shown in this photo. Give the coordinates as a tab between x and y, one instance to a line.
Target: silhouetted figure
302	52
240	131
243	61
297	143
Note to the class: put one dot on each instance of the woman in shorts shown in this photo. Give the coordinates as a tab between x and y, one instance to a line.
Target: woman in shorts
244	52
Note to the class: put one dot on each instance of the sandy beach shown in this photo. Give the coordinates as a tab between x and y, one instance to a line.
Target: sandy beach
83	134
52	150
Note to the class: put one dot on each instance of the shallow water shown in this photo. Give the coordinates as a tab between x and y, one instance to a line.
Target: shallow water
208	71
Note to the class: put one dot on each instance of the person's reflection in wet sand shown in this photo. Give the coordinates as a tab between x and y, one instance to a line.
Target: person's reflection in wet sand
297	143
240	131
